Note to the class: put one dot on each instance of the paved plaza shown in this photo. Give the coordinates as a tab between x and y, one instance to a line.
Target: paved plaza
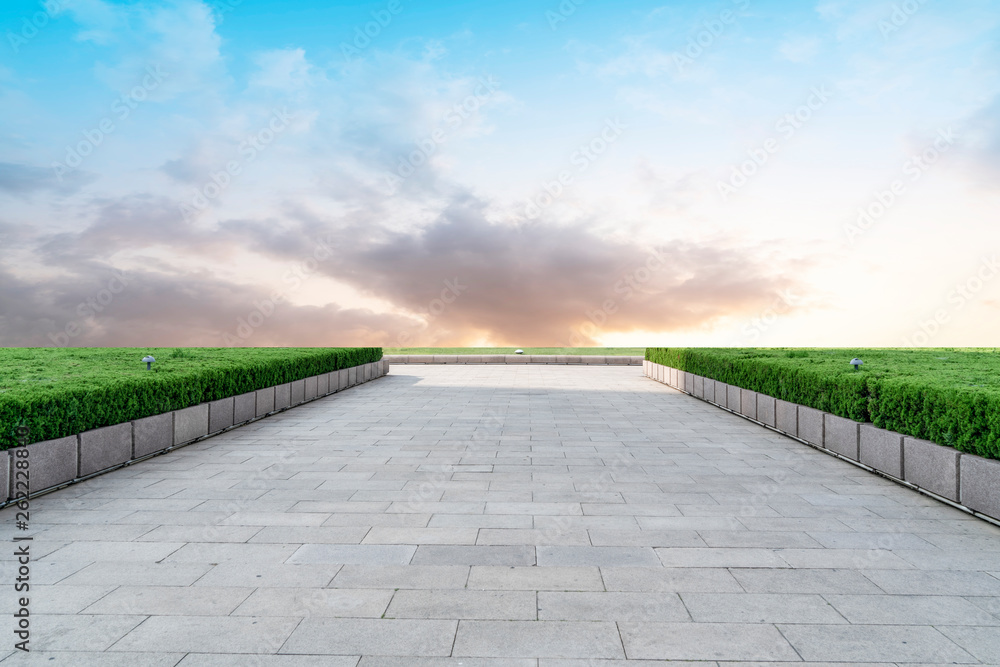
550	516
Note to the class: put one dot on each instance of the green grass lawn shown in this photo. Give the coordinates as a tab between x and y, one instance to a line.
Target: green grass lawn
599	351
950	396
61	391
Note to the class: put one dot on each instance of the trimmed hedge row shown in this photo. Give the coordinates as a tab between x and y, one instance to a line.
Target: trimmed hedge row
966	418
52	411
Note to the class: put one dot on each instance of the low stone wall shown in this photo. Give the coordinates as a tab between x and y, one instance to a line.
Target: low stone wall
583	359
55	463
967	480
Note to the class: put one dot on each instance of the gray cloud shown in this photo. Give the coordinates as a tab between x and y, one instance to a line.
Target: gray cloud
462	276
23	179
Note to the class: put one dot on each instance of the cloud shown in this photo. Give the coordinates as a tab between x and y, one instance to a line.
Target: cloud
144	308
23	179
799	49
283	69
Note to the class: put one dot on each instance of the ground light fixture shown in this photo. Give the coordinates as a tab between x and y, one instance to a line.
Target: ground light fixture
856	362
518	351
149	362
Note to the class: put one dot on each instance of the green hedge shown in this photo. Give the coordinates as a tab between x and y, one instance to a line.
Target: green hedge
945	395
47	391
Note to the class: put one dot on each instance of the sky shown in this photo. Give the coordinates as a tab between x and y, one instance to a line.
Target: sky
548	173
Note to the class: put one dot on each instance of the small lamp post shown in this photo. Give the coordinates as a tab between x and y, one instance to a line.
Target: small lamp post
856	363
149	362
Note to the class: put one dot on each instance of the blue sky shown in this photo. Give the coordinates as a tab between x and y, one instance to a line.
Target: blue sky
736	173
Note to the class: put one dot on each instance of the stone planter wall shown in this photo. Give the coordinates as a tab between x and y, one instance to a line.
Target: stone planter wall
584	359
55	463
966	480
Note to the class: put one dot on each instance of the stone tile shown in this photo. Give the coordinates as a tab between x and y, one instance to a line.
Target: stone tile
868	643
399	576
392	535
882	450
487	577
980	479
463	604
304	534
105	447
218	660
63	599
170	601
206	552
400	637
515	536
474	555
268	576
980	642
841	435
208	634
137	573
190	423
548	639
353	554
409	661
324	602
934	610
931	466
673	580
645	538
80	632
565	556
810	425
709	557
610	606
88	552
760	608
94	659
707	641
805	581
221	414
930	582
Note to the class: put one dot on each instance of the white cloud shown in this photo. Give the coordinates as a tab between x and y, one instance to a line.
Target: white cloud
799	49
